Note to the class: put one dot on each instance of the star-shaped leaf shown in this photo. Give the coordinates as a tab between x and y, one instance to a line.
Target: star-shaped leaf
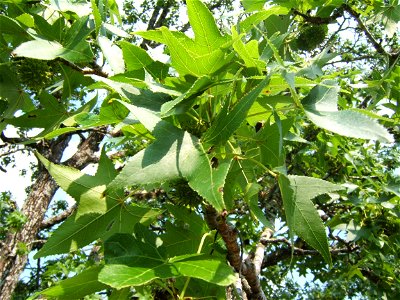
98	215
301	215
174	154
320	106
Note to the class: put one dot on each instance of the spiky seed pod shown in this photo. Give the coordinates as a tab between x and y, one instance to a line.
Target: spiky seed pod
311	36
185	195
34	74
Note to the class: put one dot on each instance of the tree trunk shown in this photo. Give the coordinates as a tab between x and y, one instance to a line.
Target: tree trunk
13	261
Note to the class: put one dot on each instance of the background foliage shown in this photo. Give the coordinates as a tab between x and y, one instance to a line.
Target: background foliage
236	143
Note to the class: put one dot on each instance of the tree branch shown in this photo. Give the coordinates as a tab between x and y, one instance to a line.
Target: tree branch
285	253
11	140
250	266
319	20
378	47
85	154
253	265
156	20
57	219
95	71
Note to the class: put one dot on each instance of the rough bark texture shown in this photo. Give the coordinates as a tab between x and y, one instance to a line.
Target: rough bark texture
12	262
248	269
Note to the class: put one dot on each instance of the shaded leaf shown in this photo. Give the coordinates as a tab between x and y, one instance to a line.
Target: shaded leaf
301	215
98	215
76	233
251	197
185	234
174	154
137	260
200	85
11	26
227	122
78	286
73	46
49	116
269	140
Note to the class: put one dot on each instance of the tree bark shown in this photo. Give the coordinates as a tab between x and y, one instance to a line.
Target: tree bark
13	261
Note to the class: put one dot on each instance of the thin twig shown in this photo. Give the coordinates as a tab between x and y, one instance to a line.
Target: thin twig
378	47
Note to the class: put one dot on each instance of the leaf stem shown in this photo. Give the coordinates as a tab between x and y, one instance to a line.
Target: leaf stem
163	285
203	238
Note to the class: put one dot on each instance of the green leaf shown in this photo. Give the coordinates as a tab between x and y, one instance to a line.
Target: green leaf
77	287
202	56
154	35
226	123
248	52
198	289
187	58
137	260
301	215
12	27
251	5
97	16
260	16
200	85
99	215
87	190
320	106
205	267
207	35
51	115
135	57
175	154
122	294
113	55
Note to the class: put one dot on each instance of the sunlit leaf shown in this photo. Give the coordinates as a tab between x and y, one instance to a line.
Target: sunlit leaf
113	55
321	108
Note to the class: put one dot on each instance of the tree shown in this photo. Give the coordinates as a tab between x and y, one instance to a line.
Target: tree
266	144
